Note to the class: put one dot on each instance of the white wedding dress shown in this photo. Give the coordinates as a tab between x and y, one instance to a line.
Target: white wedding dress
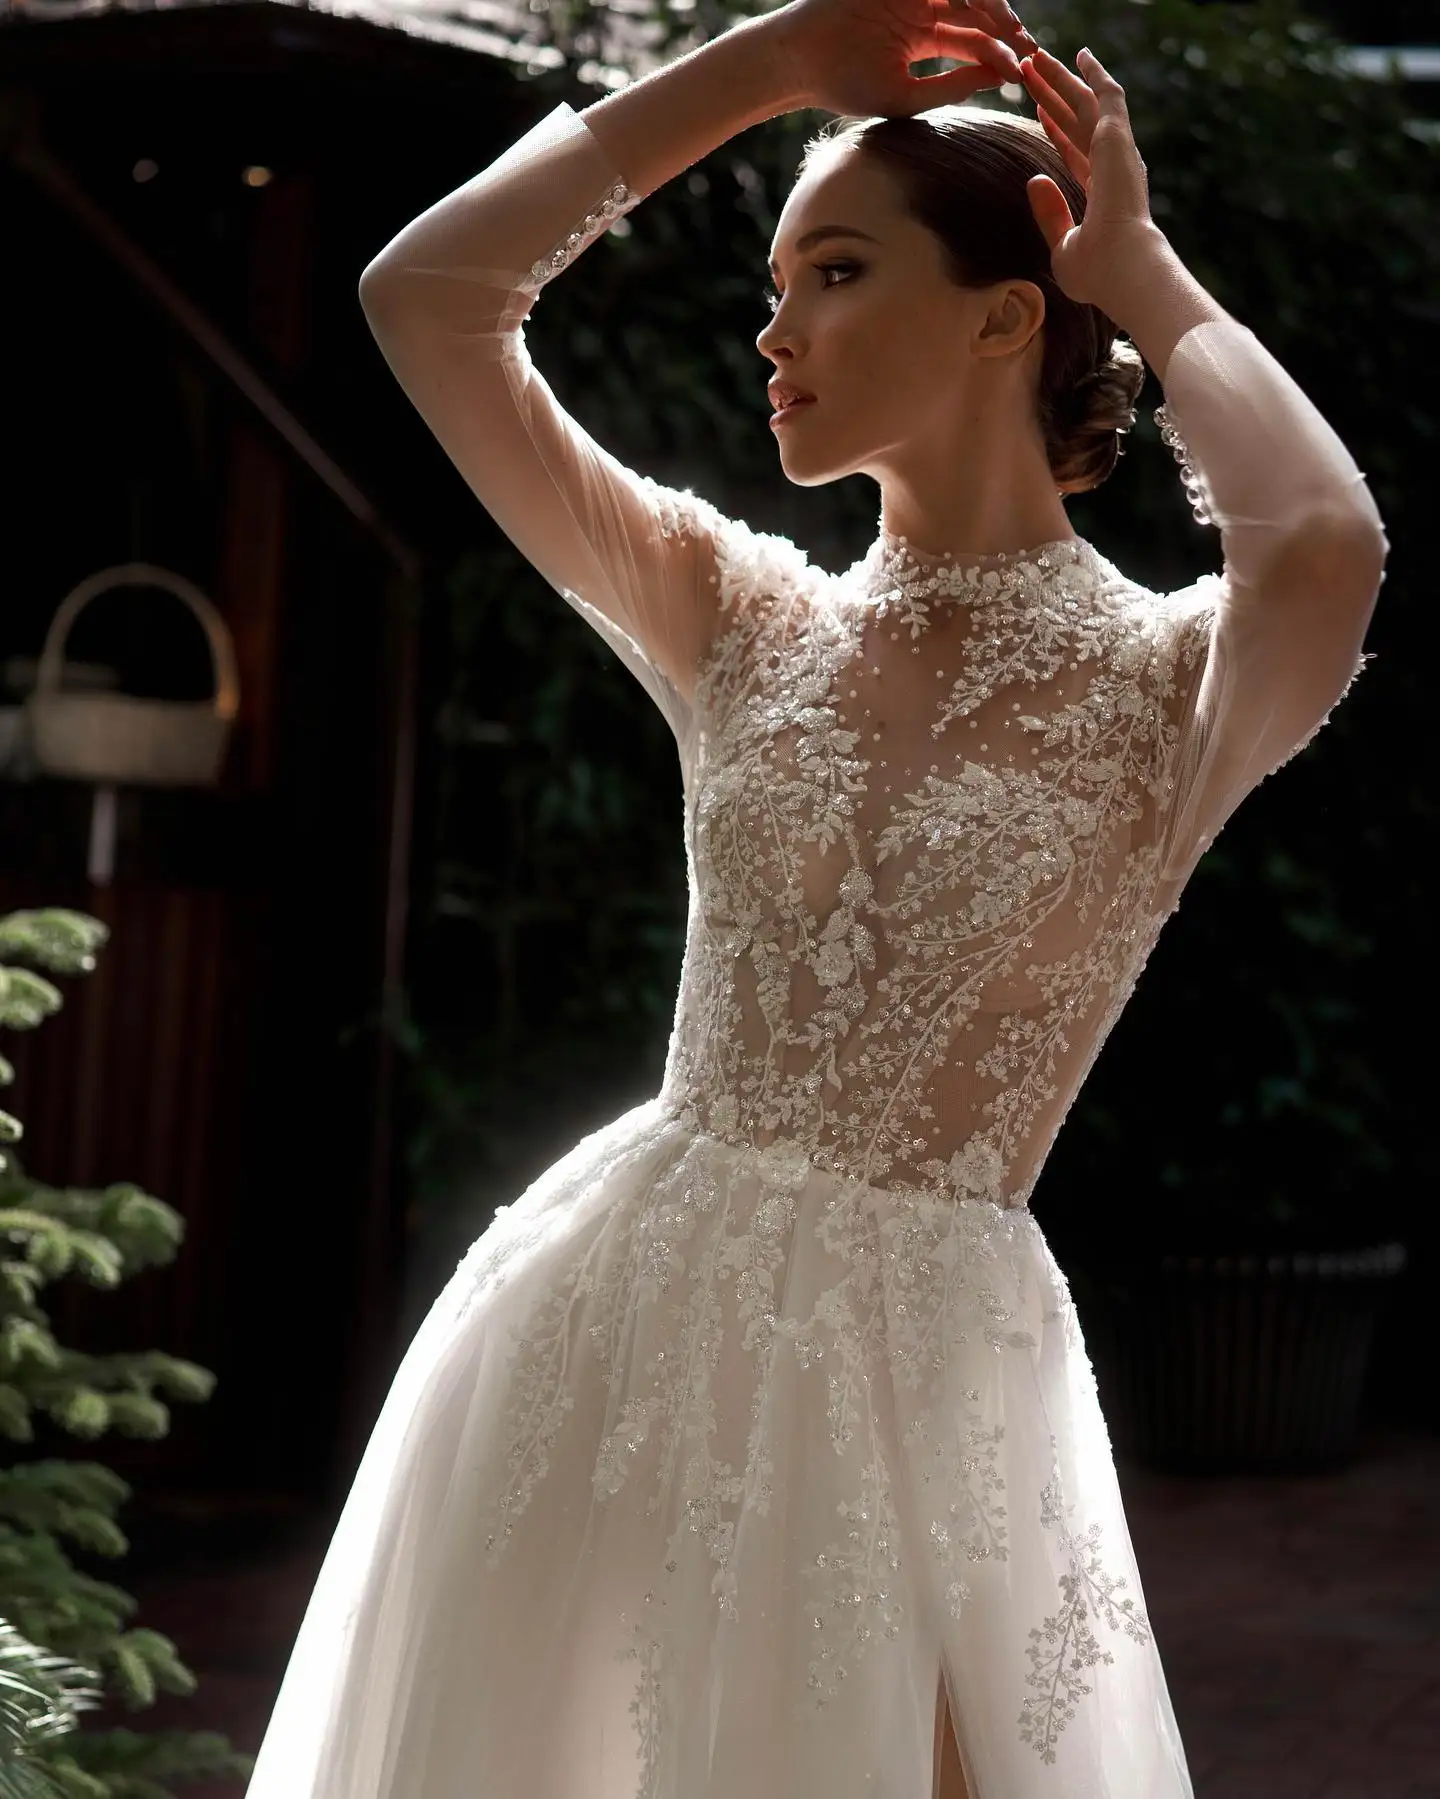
765	1410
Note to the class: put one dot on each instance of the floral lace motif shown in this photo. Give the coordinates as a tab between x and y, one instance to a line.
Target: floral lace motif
902	987
1065	1647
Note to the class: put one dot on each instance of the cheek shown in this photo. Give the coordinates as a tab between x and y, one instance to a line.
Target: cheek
892	368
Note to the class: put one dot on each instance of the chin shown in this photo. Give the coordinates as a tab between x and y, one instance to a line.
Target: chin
813	470
808	478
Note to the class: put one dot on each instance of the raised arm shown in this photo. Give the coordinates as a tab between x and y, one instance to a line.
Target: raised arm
447	299
1304	555
1301	537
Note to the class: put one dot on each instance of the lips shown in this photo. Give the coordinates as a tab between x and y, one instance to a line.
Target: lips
785	393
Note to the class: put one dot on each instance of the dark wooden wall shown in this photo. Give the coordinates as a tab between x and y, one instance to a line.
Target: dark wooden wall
230	1053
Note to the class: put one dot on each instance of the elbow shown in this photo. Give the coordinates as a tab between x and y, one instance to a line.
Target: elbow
1333	562
1352	548
378	283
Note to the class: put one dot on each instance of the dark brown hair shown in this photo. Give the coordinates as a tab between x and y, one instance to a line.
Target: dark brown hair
961	172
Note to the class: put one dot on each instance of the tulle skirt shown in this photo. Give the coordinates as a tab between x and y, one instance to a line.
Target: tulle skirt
701	1473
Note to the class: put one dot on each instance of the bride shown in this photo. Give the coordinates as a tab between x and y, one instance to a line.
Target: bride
754	1452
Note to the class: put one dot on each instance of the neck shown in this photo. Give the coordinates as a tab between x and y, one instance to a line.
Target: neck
980	487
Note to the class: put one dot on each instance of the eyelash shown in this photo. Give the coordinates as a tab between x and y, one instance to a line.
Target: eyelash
772	299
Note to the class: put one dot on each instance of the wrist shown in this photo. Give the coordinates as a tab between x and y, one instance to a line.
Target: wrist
1153	297
778	30
679	113
1141	261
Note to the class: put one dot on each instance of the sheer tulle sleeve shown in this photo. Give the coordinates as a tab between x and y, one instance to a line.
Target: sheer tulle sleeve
1279	630
447	300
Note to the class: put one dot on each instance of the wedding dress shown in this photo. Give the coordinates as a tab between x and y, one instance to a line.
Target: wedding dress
765	1408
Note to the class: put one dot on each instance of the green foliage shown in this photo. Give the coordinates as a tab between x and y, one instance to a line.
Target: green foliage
64	942
122	1764
41	1698
74	1625
551	941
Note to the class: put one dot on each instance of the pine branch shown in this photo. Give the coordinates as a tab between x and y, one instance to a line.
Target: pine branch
121	1764
99	1237
65	942
41	1698
143	1230
74	1500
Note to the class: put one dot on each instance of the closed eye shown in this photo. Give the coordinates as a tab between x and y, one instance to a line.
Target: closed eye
846	269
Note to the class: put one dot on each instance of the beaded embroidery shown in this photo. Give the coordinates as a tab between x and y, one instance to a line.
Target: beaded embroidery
616	201
857	951
1190	477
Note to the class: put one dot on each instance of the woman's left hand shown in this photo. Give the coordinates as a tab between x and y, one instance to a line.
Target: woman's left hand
1088	122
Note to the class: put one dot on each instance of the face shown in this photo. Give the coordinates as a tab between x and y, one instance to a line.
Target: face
898	356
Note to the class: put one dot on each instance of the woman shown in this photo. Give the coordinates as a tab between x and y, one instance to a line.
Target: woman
755	1450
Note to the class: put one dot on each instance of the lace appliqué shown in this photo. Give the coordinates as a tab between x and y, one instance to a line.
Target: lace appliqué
618	199
647	1706
1191	479
1065	1646
988	861
680	513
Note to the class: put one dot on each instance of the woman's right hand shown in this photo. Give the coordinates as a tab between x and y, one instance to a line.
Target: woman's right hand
852	57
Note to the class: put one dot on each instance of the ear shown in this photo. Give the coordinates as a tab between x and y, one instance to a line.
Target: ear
1015	313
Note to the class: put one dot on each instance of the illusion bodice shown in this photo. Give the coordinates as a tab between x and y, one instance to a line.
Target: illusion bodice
925	824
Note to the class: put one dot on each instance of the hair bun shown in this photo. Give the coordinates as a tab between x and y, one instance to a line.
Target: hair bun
1088	420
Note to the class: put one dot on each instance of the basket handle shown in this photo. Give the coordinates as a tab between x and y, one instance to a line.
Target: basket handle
142	574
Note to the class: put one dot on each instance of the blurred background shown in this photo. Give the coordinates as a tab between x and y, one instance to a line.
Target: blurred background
368	971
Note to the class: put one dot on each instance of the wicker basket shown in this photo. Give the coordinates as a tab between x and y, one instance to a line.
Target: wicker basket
115	737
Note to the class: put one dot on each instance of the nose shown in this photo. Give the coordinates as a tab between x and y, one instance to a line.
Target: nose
770	341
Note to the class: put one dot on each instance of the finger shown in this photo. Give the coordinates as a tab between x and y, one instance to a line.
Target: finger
1108	91
962	43
1052	213
1078	96
952	88
1001	20
1113	151
1075	159
1044	95
996	15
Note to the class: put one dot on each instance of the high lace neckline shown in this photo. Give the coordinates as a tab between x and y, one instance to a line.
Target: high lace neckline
894	566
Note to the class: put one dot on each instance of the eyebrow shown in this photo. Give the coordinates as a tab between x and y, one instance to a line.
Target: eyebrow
820	233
